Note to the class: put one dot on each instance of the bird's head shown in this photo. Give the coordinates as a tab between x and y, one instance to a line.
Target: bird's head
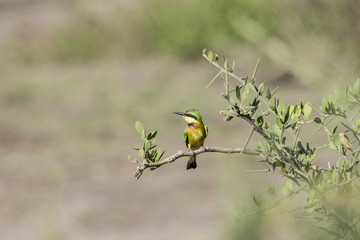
191	115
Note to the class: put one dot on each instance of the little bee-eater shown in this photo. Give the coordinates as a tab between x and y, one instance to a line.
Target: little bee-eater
194	134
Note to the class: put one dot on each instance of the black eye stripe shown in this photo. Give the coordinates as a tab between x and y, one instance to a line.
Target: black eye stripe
192	116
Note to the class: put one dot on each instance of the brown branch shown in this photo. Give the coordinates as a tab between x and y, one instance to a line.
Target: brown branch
283	156
183	153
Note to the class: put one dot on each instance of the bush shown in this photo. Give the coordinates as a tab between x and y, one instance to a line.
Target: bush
332	192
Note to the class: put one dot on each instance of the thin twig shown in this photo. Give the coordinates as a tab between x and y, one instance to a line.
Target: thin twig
249	137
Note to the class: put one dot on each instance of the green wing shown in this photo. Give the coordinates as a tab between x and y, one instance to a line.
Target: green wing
206	130
186	138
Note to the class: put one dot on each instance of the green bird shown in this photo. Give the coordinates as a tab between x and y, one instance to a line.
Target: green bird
194	134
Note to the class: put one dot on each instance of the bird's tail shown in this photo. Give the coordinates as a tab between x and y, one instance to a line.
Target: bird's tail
191	163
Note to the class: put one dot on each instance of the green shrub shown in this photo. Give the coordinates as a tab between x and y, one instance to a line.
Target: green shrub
185	27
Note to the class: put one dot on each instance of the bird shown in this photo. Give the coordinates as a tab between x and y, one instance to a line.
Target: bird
345	142
194	134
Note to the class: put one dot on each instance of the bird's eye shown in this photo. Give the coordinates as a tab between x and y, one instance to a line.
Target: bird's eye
192	116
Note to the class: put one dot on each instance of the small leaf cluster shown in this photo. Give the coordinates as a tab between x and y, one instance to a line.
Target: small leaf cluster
329	107
148	151
353	94
268	116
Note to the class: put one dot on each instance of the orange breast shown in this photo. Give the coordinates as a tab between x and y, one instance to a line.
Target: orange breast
196	135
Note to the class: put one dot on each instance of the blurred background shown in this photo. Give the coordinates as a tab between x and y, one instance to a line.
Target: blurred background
76	75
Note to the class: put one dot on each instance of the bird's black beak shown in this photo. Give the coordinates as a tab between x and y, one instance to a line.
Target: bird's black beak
179	113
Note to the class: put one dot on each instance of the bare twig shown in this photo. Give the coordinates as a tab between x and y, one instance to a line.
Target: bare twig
183	153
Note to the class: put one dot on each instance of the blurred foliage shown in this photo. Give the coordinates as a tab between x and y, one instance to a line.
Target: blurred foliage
184	28
85	40
295	35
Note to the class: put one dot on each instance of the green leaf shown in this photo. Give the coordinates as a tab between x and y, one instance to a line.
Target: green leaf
281	108
129	157
267	93
152	146
333	130
289	184
325	103
295	114
228	68
143	134
255	70
159	154
287	114
259	147
259	120
278	122
276	104
268	147
151	135
238	96
225	64
211	55
334	142
296	111
141	153
356	126
277	130
286	191
147	145
278	145
332	107
139	128
317	120
349	96
291	109
246	92
307	111
256	103
258	200
261	88
271	191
